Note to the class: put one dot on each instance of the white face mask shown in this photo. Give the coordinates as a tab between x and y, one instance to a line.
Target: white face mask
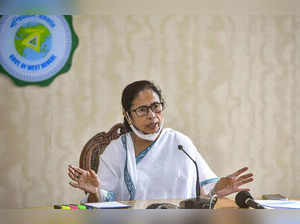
149	137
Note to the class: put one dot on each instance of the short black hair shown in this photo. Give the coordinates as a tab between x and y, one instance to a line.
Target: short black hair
132	90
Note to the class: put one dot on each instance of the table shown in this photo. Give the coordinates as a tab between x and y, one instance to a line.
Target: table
225	212
142	204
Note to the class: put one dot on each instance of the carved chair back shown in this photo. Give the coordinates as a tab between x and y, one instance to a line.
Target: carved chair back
89	157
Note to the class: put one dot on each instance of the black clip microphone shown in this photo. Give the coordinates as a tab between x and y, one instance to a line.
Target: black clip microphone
244	200
198	202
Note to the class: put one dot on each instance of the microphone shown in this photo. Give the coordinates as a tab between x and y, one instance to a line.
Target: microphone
180	147
244	200
200	202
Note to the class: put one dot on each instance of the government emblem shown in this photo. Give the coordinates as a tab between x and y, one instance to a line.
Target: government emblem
34	49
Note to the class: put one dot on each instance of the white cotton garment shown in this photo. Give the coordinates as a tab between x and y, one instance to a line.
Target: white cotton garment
163	173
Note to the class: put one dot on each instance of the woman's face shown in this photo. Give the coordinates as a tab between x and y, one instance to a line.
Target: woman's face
151	121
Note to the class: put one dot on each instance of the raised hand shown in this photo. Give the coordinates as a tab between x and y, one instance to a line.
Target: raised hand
231	183
87	181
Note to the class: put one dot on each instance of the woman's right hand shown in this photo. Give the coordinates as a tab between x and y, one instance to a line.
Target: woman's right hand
87	181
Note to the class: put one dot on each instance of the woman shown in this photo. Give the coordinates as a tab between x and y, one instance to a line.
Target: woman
145	163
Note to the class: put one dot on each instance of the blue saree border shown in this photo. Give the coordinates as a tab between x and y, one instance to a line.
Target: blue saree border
128	180
209	181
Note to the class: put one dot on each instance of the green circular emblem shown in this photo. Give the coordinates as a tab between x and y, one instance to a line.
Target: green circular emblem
34	49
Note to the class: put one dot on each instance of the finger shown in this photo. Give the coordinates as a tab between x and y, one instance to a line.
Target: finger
239	172
245	176
92	173
75	185
77	169
70	167
74	172
71	170
73	177
239	183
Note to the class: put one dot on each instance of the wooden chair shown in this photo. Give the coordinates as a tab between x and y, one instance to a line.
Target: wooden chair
89	157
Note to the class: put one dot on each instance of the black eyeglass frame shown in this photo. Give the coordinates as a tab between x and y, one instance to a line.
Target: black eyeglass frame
149	108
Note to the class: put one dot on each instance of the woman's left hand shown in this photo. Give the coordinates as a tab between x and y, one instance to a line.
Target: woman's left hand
231	183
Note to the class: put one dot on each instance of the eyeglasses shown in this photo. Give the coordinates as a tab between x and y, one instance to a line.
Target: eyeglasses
143	110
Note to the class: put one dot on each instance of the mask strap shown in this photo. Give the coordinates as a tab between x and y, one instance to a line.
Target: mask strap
127	117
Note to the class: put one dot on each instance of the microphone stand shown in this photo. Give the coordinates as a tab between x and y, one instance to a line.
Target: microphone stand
200	202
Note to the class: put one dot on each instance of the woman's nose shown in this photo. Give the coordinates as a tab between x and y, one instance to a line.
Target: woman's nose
150	113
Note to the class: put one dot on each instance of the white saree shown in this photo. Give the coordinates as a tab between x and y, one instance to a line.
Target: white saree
160	172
